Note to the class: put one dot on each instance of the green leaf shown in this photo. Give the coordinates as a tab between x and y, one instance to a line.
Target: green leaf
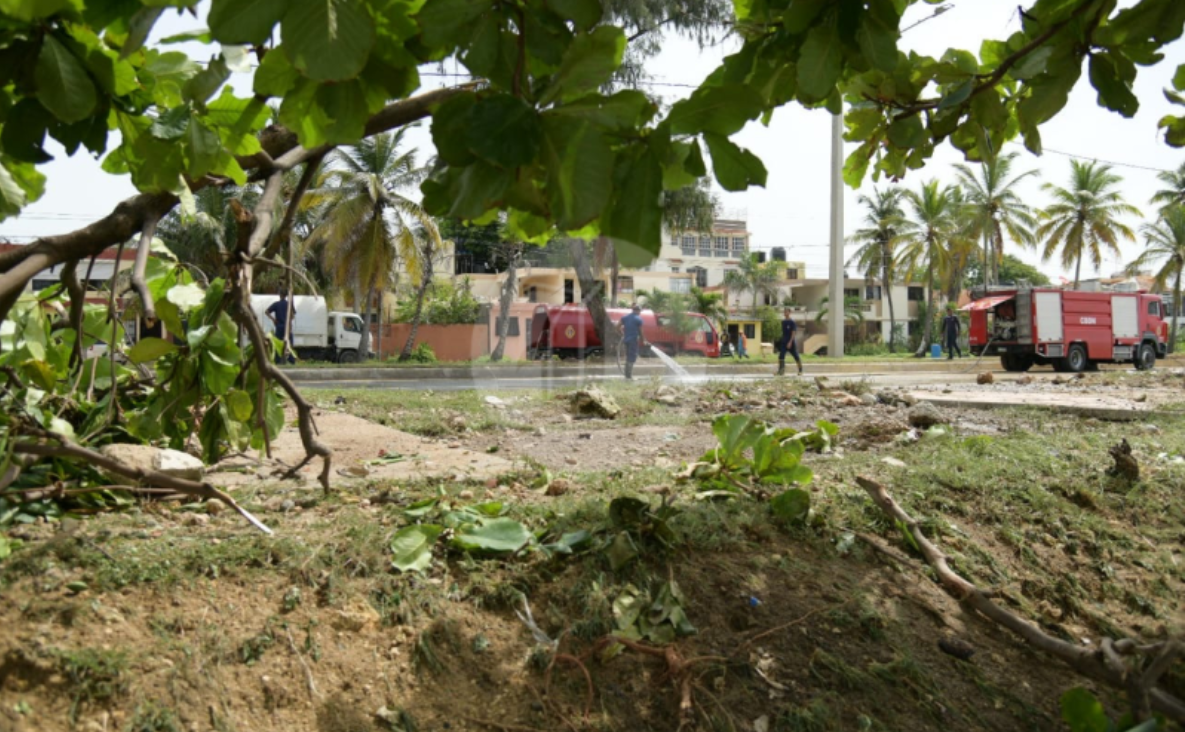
588	64
1179	78
249	23
504	130
579	171
957	96
327	40
202	85
735	434
27	10
20	183
500	535
150	349
1083	712
218	375
172	124
635	219
819	63
241	405
907	132
139	26
723	110
736	168
878	42
625	110
63	86
411	547
1114	93
621	551
584	14
450	123
275	76
793	505
446	22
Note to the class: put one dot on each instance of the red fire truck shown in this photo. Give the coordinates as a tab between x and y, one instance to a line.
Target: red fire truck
567	331
1067	329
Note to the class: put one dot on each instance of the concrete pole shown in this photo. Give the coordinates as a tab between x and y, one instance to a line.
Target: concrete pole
835	311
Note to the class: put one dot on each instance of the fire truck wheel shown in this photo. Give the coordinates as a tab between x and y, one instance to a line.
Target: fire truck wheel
1145	357
1016	362
1076	359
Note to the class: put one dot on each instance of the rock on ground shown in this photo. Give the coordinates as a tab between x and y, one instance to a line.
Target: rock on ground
925	414
985	377
174	463
592	402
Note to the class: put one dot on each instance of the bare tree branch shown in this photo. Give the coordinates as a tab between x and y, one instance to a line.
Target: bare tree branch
1103	665
139	282
77	303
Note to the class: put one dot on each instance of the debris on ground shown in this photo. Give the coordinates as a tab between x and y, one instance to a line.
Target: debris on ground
593	402
173	463
1126	466
924	415
985	377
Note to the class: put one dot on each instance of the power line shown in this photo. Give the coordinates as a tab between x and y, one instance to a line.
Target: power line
1135	166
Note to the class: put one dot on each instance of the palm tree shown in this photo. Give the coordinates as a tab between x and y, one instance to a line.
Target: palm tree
204	239
753	276
927	240
994	208
1165	242
853	310
882	218
1084	218
1174	195
367	225
708	304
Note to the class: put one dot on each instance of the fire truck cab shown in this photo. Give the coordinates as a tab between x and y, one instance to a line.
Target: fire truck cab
1069	330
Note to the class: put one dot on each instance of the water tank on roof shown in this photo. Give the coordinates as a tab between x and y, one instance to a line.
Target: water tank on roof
778	254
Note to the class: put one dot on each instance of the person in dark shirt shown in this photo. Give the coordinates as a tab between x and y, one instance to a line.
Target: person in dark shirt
950	331
279	312
787	344
630	327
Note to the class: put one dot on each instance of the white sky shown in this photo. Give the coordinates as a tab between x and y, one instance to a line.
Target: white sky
792	210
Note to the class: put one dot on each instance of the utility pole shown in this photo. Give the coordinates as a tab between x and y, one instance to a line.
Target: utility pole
835	314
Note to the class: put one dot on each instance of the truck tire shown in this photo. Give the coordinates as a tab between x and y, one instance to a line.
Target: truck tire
347	357
1145	357
1016	362
1076	359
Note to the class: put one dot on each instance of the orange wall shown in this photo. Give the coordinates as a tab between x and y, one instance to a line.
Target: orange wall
448	342
516	346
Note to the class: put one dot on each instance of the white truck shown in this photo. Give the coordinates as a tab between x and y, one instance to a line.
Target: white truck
316	334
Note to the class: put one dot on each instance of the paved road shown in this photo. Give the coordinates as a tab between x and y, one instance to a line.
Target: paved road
568	382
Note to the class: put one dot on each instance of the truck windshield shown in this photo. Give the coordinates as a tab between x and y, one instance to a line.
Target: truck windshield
352	325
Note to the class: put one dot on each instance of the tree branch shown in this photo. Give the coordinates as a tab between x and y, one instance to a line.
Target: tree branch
139	282
1100	665
77	303
285	230
151	477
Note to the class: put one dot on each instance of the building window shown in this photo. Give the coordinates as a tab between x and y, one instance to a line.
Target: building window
532	294
625	285
872	292
792	273
39	285
674	270
701	276
569	292
688	245
916	294
721	249
511	327
738	243
680	285
705	246
851	292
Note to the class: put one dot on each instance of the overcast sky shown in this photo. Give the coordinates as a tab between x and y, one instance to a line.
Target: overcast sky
792	210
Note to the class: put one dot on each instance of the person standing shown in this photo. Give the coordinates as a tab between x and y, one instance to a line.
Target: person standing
742	344
630	328
787	344
950	330
281	312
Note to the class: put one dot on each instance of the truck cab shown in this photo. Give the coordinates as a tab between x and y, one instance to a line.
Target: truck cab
317	334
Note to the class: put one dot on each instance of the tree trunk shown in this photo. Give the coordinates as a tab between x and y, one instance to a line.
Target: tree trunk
613	269
592	294
998	259
1077	270
1176	310
888	292
425	282
364	311
509	288
928	327
378	334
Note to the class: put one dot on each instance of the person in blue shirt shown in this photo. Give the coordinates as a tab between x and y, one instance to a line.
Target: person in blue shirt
950	330
787	344
630	328
279	312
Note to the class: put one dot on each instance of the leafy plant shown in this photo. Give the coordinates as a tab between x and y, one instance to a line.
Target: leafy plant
1083	712
752	455
634	526
655	614
481	529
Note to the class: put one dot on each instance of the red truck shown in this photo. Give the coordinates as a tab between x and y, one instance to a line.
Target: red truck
1070	330
567	331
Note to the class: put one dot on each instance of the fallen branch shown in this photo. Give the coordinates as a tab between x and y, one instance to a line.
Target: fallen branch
151	477
1103	665
308	672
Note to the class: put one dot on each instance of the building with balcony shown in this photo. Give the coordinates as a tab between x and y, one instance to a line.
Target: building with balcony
706	256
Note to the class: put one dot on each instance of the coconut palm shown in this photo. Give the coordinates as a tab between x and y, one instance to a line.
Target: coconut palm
367	226
882	218
1174	194
708	304
853	310
928	237
759	278
1165	243
1083	219
203	239
994	209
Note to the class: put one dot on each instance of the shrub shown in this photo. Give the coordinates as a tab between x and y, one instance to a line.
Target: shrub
422	353
444	304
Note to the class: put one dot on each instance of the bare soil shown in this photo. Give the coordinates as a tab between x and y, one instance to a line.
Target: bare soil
217	627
